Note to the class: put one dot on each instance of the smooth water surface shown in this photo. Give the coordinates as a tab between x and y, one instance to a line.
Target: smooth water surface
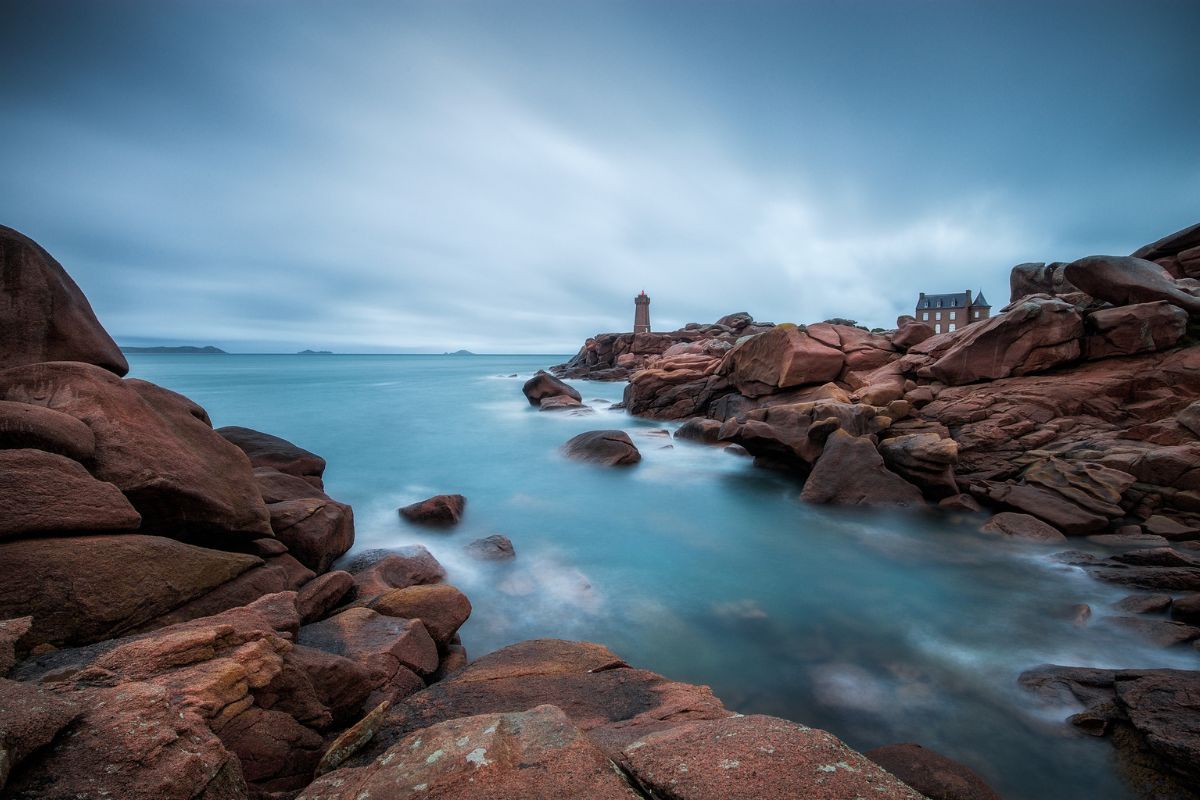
881	628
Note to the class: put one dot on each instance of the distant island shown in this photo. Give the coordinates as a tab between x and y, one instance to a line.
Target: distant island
315	353
187	348
459	353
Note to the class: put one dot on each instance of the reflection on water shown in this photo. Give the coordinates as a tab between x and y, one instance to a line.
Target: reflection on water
879	627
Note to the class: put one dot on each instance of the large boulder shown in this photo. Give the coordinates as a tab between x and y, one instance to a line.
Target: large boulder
537	754
1038	278
794	434
909	333
850	472
86	588
1178	253
610	448
384	645
43	493
780	358
377	572
1139	328
543	385
754	758
156	446
1022	526
930	773
43	315
440	607
265	450
926	459
316	530
32	426
1125	280
1036	335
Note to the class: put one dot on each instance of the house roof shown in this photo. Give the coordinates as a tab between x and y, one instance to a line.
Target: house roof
952	300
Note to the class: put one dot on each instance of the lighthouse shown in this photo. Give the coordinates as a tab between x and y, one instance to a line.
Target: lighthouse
641	313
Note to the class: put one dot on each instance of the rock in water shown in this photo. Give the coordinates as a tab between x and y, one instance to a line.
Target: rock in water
612	448
931	773
850	472
1022	526
544	385
440	510
43	315
1124	280
492	548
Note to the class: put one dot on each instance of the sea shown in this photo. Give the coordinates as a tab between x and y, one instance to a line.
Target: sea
879	627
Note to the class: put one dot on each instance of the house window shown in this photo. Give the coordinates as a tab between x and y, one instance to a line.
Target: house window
938	315
952	317
937	328
925	316
976	315
951	326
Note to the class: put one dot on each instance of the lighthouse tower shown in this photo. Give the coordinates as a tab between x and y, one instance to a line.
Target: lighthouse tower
641	313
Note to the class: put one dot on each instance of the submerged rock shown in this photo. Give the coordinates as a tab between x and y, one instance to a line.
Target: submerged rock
932	774
491	548
611	448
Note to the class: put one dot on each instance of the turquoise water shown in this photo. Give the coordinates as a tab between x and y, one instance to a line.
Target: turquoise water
880	628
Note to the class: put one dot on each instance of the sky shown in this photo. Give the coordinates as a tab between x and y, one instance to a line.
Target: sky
504	177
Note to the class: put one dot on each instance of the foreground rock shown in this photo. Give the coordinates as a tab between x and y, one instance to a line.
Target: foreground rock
442	609
755	757
440	510
610	448
537	753
43	315
851	472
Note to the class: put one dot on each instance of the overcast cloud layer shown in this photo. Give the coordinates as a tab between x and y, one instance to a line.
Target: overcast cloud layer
504	177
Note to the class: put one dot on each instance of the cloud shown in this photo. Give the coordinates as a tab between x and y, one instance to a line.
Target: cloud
364	185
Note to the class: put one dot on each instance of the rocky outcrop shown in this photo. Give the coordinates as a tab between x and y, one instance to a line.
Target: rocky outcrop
1034	336
850	472
1178	253
1039	278
1128	330
795	434
609	448
43	315
1125	280
265	450
439	511
377	572
781	358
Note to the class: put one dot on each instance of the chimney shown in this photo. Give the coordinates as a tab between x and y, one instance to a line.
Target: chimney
968	298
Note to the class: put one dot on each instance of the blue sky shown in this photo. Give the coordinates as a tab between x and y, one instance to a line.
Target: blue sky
505	176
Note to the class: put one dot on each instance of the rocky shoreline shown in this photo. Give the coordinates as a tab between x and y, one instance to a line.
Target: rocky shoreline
1074	413
179	619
